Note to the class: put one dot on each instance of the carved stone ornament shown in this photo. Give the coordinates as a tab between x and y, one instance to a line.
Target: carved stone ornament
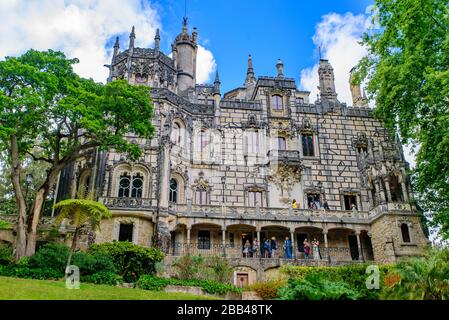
285	176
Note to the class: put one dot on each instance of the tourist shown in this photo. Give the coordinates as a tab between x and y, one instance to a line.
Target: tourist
294	204
316	249
246	249
262	248
287	248
273	247
306	248
267	248
325	205
255	248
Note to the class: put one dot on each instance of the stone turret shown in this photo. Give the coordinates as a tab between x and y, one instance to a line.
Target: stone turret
250	78
280	69
184	52
327	81
358	100
157	40
132	38
116	49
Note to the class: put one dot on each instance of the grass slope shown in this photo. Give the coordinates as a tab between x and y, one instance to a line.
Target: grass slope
28	289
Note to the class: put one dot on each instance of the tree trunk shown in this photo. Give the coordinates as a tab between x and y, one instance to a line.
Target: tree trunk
36	210
20	199
73	247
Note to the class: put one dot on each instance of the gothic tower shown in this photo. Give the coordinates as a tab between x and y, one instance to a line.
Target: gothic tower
184	53
327	81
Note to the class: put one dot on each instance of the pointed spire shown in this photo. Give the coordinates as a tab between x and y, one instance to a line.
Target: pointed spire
217	83
184	25
157	40
116	47
250	72
132	37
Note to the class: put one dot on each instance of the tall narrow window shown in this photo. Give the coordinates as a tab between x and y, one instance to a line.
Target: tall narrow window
395	189
176	134
126	232
308	149
203	239
276	102
137	185
173	196
253	142
255	197
282	144
124	184
201	196
405	233
201	142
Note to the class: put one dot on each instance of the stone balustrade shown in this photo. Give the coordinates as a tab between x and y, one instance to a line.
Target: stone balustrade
129	203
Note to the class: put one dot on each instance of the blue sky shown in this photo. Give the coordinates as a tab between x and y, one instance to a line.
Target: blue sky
267	29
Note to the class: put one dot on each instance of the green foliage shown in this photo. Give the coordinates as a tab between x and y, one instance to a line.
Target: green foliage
4	225
268	290
51	256
150	282
425	278
354	276
215	269
30	273
130	260
90	263
103	277
316	286
6	256
407	69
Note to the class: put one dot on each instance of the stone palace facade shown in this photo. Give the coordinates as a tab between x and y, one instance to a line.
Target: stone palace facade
260	161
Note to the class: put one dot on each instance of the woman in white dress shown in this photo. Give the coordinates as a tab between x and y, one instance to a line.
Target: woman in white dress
316	249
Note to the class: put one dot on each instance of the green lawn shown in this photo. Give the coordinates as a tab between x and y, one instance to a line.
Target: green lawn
28	289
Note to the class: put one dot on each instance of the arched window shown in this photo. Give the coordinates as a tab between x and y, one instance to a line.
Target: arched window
405	233
176	133
276	102
124	184
173	195
136	191
201	195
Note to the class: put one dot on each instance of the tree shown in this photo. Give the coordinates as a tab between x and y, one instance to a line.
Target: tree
83	212
52	115
424	278
407	70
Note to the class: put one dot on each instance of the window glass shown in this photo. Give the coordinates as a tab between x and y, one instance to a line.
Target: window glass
203	239
308	149
276	102
124	184
173	195
282	145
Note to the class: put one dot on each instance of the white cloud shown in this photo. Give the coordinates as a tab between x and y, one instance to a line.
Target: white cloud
205	65
338	37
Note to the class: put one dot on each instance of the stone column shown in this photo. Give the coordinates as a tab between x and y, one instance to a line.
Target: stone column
404	191
223	239
387	190
359	246
292	238
326	245
380	192
188	240
165	171
370	199
258	240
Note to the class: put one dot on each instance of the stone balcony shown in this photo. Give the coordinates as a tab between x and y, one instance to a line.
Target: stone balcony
292	157
129	203
260	213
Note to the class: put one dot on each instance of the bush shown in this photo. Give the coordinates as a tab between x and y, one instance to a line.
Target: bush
52	256
189	267
91	263
103	277
150	282
267	290
353	276
30	273
130	260
316	286
6	256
